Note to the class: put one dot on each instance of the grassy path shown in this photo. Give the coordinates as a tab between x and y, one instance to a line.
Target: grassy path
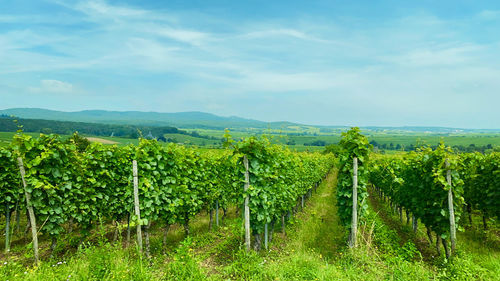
318	228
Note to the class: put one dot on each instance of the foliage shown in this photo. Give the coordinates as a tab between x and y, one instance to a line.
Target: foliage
353	144
481	175
278	178
81	142
418	183
82	185
10	182
49	166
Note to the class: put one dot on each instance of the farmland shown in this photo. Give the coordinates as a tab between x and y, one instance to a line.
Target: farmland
303	236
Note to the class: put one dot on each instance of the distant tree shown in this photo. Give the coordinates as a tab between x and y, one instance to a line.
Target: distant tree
374	143
316	143
46	131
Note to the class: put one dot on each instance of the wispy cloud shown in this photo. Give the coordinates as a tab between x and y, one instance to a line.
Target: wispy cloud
205	58
489	14
94	8
52	86
449	55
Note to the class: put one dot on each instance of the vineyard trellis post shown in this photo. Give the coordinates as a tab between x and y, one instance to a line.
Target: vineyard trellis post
266	236
217	212
354	224
30	209
247	207
453	231
7	229
136	204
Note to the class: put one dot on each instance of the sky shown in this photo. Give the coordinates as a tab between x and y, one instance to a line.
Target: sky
364	63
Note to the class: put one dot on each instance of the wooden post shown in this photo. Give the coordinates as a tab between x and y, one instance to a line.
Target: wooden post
31	213
136	204
354	224
247	207
453	230
266	236
7	229
217	212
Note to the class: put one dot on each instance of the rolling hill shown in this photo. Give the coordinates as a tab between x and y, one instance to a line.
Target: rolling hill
181	119
203	120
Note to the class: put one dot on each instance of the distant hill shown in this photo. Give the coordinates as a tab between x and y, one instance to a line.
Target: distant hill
181	119
7	124
202	120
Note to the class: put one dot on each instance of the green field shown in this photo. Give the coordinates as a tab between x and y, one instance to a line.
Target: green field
297	142
464	139
6	137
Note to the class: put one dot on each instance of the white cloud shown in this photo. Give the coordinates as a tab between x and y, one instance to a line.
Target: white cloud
53	86
287	32
454	55
192	37
101	8
489	14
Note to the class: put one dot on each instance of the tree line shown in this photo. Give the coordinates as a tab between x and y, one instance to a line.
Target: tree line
11	124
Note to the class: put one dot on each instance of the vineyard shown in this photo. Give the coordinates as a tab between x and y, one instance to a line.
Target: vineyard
61	188
435	186
71	189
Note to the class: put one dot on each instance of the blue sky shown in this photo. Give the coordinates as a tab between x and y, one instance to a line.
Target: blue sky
386	63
